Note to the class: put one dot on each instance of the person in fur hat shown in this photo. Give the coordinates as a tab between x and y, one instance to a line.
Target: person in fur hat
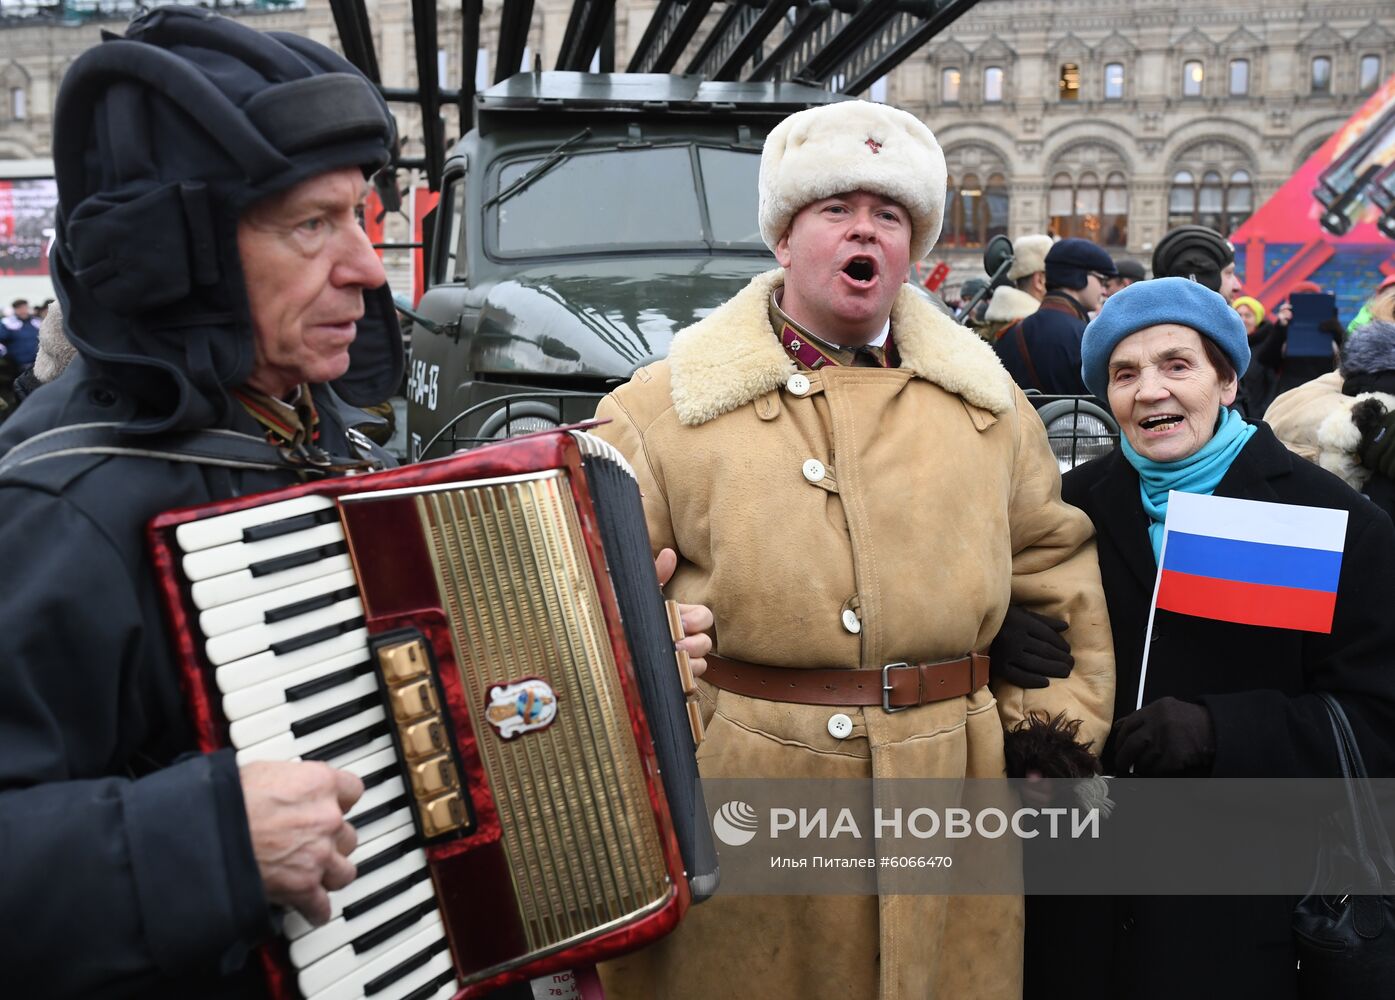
1014	302
851	480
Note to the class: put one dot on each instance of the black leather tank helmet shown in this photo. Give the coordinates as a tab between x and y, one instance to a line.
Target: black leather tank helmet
1197	253
162	137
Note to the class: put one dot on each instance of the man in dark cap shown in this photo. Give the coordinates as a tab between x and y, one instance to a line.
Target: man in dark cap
1200	254
1127	271
1043	351
213	277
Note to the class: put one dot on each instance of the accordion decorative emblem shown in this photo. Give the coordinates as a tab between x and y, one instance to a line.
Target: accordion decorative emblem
483	641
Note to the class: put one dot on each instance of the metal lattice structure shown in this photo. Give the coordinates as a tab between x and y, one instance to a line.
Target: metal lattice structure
842	46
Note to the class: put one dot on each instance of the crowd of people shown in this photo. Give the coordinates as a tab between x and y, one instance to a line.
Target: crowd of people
852	494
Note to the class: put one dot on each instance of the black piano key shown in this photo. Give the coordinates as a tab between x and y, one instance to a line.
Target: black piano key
289	525
386	857
323	720
308	605
393	927
303	558
354	910
353	741
319	635
403	969
379	776
379	811
327	681
429	990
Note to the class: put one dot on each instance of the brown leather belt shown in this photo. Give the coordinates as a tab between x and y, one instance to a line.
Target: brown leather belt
895	687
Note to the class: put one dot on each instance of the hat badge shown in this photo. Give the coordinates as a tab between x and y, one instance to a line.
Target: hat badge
874	145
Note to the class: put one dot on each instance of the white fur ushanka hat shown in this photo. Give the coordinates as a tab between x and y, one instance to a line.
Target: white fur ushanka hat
1029	255
853	146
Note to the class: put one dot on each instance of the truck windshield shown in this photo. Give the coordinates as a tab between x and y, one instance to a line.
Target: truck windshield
631	198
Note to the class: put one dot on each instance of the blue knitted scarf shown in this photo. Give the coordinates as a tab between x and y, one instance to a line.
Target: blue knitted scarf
1200	472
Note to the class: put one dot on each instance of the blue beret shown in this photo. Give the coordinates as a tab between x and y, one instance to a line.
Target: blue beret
1151	303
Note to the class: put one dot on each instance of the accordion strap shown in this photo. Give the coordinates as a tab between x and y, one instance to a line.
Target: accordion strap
229	449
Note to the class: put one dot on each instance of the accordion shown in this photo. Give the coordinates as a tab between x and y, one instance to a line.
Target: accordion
483	641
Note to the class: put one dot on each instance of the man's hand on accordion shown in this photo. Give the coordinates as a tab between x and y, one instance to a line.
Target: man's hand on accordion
300	838
697	619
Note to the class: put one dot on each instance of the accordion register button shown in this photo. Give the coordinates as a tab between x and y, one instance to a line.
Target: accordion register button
441	815
423	739
431	777
412	700
403	661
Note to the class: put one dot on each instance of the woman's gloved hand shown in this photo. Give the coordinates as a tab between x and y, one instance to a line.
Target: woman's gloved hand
1029	650
1167	737
1377	448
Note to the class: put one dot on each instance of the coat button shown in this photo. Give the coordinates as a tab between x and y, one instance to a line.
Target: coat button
839	726
851	621
798	384
814	470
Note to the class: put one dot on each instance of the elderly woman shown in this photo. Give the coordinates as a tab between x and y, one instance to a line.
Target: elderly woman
1222	699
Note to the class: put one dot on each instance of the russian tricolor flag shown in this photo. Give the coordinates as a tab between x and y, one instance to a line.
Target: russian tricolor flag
1251	562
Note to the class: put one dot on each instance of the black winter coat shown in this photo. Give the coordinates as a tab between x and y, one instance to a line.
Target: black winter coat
1257	684
1042	352
126	862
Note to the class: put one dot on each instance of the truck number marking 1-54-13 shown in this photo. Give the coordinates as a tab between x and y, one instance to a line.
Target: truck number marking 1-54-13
421	383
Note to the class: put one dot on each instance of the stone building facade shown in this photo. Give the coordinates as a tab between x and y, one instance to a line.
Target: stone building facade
1098	118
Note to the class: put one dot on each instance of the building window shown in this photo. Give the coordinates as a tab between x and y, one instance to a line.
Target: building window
993	84
1370	73
1113	81
974	212
949	86
1181	201
1069	84
1084	210
1239	77
1222	205
19	104
1193	73
1114	217
1322	75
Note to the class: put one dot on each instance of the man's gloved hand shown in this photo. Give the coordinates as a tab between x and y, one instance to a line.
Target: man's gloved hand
1378	447
1029	650
1168	737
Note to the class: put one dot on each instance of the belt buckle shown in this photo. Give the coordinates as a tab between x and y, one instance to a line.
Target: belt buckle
887	707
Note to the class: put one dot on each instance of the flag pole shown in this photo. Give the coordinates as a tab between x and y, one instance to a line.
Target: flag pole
1153	609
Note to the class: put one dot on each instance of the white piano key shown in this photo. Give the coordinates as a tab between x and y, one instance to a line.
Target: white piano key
371	763
351	986
240	555
265	666
224	528
446	992
289	747
231	587
276	721
413	861
376	796
239	704
377	828
326	953
252	610
249	641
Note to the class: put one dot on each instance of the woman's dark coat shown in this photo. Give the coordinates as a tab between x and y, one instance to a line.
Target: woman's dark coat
1257	684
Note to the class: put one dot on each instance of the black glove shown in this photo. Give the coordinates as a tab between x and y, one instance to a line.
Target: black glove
1168	737
1029	650
1377	448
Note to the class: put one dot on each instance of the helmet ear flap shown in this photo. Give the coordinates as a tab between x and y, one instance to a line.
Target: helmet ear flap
175	252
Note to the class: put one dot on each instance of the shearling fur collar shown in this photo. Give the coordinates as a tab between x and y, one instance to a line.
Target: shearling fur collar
1009	304
730	358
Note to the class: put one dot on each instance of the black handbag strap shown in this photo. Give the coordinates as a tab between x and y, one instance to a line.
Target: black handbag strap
229	449
1372	840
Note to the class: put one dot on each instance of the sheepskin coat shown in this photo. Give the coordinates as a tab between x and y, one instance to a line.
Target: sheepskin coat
1005	308
939	504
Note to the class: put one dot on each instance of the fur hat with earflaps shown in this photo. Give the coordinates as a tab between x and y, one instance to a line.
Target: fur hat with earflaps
853	146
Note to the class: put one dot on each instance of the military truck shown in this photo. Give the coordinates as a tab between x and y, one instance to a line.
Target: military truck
584	221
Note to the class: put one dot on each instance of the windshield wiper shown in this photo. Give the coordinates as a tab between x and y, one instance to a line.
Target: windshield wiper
556	156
